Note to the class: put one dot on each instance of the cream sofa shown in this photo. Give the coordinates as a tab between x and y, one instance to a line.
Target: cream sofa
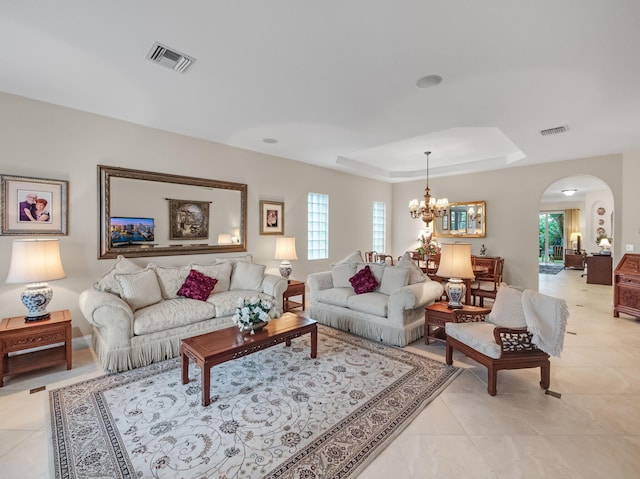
138	317
393	313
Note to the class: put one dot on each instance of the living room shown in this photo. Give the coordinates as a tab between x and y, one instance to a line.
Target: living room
41	139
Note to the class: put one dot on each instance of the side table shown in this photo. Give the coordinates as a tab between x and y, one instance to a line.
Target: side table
295	288
18	335
438	313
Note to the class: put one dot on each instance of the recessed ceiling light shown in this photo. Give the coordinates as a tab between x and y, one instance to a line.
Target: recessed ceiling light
569	191
270	140
429	81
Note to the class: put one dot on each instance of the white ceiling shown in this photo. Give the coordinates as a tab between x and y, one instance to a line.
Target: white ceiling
335	81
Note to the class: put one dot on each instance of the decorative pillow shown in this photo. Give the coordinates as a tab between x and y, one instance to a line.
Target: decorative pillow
355	257
507	309
393	279
197	286
219	271
170	279
341	274
108	282
376	268
247	276
364	281
139	289
415	273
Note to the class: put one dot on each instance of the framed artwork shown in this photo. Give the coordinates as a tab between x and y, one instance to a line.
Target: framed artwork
188	220
271	218
33	206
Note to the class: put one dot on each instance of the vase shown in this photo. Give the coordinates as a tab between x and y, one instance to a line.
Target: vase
255	327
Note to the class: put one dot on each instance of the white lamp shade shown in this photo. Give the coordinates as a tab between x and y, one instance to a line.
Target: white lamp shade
286	248
574	236
224	238
34	261
455	261
604	242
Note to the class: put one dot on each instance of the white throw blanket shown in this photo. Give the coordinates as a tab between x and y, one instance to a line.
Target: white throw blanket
546	319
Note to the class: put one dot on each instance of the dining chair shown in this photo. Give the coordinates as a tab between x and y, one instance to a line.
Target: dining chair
486	285
370	256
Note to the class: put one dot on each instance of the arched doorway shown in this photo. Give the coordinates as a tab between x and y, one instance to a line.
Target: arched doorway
575	209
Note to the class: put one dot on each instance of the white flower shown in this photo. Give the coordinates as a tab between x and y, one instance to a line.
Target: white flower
251	311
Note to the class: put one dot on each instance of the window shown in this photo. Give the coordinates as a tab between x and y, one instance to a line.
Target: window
317	226
378	226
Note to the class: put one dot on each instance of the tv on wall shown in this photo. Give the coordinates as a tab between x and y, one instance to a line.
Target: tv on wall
129	231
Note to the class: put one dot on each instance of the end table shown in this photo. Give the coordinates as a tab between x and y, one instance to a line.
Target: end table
294	288
18	335
438	313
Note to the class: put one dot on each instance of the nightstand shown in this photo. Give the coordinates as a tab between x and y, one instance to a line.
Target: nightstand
18	335
438	313
295	288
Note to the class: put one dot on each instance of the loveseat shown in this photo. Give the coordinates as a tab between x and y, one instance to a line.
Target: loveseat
138	317
391	311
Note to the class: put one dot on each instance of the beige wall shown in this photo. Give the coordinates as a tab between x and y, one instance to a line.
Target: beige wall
513	202
47	141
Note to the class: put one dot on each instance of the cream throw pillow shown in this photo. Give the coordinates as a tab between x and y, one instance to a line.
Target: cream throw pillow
247	276
139	289
507	309
108	282
415	273
393	279
170	279
340	273
220	271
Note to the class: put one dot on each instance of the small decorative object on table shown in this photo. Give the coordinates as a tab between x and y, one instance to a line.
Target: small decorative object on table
253	314
483	250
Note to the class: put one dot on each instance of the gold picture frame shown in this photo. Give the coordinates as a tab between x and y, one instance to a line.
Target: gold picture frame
271	217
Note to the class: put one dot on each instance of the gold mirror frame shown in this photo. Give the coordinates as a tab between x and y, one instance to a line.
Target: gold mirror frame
198	189
457	221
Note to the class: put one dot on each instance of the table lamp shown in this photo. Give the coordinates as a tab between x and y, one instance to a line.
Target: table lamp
575	238
285	251
35	261
605	245
224	238
455	264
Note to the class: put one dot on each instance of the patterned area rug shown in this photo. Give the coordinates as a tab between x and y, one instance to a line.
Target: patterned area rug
274	414
551	268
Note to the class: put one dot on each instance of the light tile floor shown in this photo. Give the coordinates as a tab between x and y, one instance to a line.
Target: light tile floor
592	431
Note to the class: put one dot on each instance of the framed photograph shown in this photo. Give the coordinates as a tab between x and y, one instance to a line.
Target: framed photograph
271	218
188	220
33	206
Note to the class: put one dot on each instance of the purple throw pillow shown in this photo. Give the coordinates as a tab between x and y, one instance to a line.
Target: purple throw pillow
197	286
363	281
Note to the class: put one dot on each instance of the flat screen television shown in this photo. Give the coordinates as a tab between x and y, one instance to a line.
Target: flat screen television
129	231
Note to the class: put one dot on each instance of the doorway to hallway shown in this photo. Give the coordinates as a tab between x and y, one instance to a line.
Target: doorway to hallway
551	237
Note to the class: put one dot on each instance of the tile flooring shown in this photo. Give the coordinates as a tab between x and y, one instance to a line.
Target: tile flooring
592	431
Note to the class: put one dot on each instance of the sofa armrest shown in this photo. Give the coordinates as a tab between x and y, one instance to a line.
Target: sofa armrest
417	295
109	314
513	340
275	285
319	281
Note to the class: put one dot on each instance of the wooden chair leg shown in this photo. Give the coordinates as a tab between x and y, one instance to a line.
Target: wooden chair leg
492	380
545	375
449	354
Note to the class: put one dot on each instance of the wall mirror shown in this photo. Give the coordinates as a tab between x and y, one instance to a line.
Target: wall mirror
462	220
155	214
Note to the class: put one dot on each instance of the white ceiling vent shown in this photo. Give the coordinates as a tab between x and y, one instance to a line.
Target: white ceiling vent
169	58
554	131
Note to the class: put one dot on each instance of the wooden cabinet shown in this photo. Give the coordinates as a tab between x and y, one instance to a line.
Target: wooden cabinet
626	286
572	260
599	269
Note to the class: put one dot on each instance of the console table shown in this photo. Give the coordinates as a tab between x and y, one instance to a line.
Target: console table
573	260
599	269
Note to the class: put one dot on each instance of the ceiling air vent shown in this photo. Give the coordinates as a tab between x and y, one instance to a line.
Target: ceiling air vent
554	131
169	58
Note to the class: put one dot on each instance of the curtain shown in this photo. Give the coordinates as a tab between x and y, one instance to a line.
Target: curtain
571	224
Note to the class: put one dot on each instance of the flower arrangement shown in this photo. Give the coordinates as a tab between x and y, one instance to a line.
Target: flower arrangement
427	246
253	313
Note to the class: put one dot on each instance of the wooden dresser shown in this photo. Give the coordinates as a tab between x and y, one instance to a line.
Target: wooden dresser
626	286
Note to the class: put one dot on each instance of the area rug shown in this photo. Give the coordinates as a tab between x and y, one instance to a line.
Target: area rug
274	414
551	268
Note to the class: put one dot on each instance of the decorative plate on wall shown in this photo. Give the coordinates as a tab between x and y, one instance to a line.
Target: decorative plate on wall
600	211
600	221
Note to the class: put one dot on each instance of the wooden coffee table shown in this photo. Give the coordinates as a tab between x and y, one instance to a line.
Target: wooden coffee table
217	347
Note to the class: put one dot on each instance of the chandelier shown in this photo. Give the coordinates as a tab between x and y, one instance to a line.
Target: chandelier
429	208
